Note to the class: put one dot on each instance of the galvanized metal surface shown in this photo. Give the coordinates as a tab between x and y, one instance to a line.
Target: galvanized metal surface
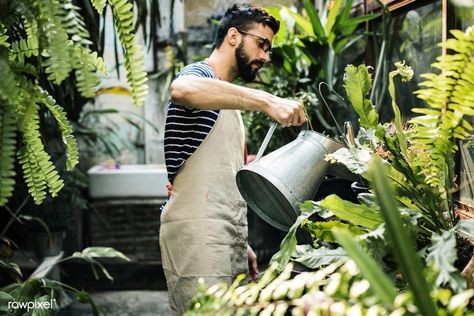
275	184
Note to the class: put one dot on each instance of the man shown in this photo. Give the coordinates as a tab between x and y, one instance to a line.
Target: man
203	230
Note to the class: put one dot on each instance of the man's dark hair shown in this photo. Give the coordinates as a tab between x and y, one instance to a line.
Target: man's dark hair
243	17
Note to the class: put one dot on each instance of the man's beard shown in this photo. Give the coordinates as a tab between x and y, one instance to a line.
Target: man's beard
244	65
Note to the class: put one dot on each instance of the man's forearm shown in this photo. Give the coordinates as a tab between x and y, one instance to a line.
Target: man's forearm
211	94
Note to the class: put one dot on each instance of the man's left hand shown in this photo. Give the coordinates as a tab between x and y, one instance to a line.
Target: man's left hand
253	267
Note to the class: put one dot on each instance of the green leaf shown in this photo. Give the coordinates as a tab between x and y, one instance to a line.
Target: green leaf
379	281
43	311
7	154
403	247
358	214
322	230
288	245
134	62
315	21
357	83
333	13
99	5
301	22
442	254
316	258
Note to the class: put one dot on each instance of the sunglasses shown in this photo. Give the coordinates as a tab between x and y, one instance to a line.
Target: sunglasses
263	42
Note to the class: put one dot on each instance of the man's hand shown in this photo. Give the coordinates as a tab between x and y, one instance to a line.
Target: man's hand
286	112
253	268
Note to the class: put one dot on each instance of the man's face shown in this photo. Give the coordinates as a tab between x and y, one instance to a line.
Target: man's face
247	68
253	51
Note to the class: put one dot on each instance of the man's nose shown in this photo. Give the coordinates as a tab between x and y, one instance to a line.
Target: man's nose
265	56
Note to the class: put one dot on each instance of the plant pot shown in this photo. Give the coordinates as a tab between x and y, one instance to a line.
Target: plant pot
48	244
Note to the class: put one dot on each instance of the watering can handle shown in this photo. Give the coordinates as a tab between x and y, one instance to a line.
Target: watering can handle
267	138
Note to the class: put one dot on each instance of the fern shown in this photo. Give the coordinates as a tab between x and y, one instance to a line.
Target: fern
38	170
72	152
7	153
50	37
99	5
136	74
450	96
8	87
24	48
3	36
58	46
73	23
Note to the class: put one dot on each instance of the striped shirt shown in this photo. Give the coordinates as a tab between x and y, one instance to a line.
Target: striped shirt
186	127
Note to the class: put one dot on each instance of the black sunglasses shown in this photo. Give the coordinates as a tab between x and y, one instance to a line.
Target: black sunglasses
263	42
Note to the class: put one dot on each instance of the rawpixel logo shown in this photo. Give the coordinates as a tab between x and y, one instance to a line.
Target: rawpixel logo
32	305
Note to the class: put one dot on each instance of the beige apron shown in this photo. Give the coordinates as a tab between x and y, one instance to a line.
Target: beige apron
203	230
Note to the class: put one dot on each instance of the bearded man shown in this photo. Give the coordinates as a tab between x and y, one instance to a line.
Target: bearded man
203	232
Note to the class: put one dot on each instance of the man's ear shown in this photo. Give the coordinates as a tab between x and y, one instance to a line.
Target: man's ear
233	37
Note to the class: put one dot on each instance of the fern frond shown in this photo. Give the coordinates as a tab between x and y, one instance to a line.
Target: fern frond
99	5
7	153
136	74
8	81
73	23
86	73
450	96
38	171
24	48
58	46
72	152
3	36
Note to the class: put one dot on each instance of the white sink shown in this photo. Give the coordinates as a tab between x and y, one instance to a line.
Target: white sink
126	181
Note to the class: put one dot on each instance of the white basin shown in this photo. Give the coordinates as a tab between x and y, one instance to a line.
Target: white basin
128	181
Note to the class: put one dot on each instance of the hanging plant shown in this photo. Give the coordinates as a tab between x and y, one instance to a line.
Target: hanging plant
42	44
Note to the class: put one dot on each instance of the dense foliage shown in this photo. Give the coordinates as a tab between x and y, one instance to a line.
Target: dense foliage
404	240
311	47
42	44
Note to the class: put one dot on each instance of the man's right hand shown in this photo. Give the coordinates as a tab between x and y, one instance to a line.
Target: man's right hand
286	112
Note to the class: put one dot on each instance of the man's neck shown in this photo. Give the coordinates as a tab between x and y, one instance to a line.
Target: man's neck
225	69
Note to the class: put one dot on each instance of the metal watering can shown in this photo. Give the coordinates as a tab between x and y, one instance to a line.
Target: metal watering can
275	184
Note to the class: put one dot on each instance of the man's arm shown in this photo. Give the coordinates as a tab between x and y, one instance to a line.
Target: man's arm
211	94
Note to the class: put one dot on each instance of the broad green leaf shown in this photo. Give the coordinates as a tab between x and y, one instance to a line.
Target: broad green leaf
322	230
357	214
403	247
288	245
379	281
316	258
301	22
357	83
315	21
333	13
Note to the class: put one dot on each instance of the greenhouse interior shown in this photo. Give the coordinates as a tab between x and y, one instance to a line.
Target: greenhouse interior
214	157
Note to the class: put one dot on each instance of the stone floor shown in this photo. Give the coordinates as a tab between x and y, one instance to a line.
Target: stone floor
122	303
